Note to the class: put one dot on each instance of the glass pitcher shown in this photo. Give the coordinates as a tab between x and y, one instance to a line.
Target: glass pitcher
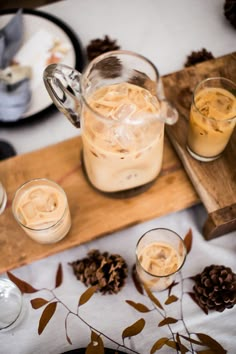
119	105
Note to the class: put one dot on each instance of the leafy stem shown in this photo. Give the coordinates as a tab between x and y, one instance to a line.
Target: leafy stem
164	316
181	309
176	340
50	308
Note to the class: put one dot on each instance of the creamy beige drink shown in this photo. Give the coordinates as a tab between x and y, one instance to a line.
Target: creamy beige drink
40	207
160	254
212	121
122	137
158	262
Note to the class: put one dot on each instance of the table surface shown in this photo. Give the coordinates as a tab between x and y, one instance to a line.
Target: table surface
165	31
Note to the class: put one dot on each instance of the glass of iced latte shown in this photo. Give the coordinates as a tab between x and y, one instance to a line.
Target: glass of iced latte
212	118
118	103
160	254
41	208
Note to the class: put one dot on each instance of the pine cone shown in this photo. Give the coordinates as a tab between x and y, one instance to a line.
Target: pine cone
106	271
215	288
230	11
198	57
99	46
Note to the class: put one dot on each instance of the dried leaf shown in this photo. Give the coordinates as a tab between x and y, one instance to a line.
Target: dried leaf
67	336
134	329
191	340
96	345
167	321
174	283
68	339
139	307
159	344
38	302
24	287
171	298
211	343
182	347
206	351
172	344
188	240
47	314
59	276
153	298
193	297
87	295
136	280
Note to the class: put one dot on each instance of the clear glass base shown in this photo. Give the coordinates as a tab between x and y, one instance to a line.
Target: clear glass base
3	198
202	158
11	302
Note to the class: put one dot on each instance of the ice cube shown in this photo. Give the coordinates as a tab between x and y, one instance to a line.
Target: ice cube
224	104
28	211
117	93
154	268
205	109
146	263
124	110
50	204
36	193
39	202
123	136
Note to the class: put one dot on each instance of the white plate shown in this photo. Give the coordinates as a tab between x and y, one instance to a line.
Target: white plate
34	21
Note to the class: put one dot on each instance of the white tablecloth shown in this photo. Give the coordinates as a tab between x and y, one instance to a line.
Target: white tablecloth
165	31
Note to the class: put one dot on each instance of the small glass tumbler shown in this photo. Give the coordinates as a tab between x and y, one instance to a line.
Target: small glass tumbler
212	118
11	303
3	198
160	254
41	208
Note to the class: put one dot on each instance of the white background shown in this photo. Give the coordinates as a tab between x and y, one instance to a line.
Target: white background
165	31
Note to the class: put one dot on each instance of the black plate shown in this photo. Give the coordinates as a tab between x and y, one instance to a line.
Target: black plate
79	60
83	350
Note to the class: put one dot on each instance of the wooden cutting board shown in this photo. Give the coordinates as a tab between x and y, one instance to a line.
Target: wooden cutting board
215	182
93	214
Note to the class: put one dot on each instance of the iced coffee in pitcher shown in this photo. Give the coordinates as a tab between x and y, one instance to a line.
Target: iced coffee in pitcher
118	104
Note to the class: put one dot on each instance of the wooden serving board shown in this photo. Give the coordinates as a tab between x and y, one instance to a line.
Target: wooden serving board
93	214
215	182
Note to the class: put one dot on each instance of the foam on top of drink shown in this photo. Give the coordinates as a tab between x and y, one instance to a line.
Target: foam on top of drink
40	206
159	259
216	103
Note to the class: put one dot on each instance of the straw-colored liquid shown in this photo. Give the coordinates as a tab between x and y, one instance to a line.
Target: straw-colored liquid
210	125
123	147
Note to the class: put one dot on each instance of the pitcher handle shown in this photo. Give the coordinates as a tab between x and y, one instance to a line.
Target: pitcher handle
63	86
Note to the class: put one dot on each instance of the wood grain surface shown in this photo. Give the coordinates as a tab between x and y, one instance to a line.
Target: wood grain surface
215	182
93	214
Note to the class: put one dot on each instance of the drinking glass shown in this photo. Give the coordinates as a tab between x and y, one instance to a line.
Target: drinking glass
160	254
11	303
212	118
41	208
